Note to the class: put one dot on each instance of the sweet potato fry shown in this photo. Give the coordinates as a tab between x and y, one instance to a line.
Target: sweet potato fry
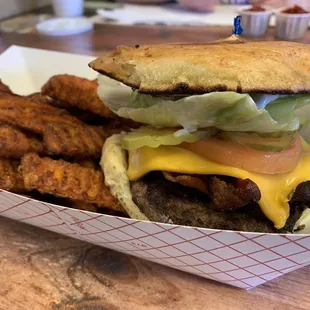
76	92
81	205
5	89
73	141
92	207
10	177
22	103
117	125
38	98
14	143
64	179
32	116
84	116
86	163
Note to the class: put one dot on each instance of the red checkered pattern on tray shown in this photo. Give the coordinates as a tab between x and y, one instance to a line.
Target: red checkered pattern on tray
244	260
33	212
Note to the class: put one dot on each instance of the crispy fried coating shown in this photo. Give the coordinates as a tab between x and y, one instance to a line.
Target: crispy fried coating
86	163
32	116
117	125
117	210
38	98
73	141
64	179
92	207
10	177
100	131
81	205
5	89
77	92
14	143
83	115
22	103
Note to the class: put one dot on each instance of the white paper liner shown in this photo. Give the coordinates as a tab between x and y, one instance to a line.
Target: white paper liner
240	259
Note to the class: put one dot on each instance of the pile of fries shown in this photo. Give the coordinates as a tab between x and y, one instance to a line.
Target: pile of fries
51	142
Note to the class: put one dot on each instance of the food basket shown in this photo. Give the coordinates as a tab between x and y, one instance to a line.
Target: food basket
241	259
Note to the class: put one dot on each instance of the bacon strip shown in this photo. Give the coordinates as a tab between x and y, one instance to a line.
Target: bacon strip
226	193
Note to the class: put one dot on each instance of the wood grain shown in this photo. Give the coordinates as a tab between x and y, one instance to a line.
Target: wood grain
41	270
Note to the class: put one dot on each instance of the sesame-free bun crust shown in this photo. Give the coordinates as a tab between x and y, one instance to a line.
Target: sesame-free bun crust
243	67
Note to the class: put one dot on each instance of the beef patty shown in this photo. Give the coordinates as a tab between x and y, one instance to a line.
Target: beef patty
167	201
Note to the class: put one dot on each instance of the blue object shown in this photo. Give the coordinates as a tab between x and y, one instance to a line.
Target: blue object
237	26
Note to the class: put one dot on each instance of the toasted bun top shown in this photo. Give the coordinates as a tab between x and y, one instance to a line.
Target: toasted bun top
243	67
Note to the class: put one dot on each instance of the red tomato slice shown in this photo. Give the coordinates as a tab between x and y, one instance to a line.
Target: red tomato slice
236	155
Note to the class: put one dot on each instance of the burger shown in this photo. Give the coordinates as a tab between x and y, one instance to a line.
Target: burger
223	136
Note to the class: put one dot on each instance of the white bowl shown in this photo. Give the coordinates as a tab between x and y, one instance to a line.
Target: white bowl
64	26
255	23
291	26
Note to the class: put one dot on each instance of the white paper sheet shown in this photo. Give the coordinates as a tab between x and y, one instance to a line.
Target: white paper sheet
25	70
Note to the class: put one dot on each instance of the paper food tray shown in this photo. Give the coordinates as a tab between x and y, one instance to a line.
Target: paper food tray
240	259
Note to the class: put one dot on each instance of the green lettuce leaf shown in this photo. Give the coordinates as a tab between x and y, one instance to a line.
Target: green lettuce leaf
292	109
228	111
154	137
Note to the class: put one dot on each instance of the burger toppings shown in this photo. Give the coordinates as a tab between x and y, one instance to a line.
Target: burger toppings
226	131
219	133
302	194
165	201
234	154
275	189
273	142
154	137
168	202
228	111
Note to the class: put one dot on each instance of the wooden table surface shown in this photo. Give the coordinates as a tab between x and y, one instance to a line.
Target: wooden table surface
41	270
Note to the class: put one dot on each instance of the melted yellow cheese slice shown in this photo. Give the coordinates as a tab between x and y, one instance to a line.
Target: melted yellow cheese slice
275	189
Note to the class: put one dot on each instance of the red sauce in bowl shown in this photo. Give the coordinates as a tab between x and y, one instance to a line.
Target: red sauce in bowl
256	9
296	9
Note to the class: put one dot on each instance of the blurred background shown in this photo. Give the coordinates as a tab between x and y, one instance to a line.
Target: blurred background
27	16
